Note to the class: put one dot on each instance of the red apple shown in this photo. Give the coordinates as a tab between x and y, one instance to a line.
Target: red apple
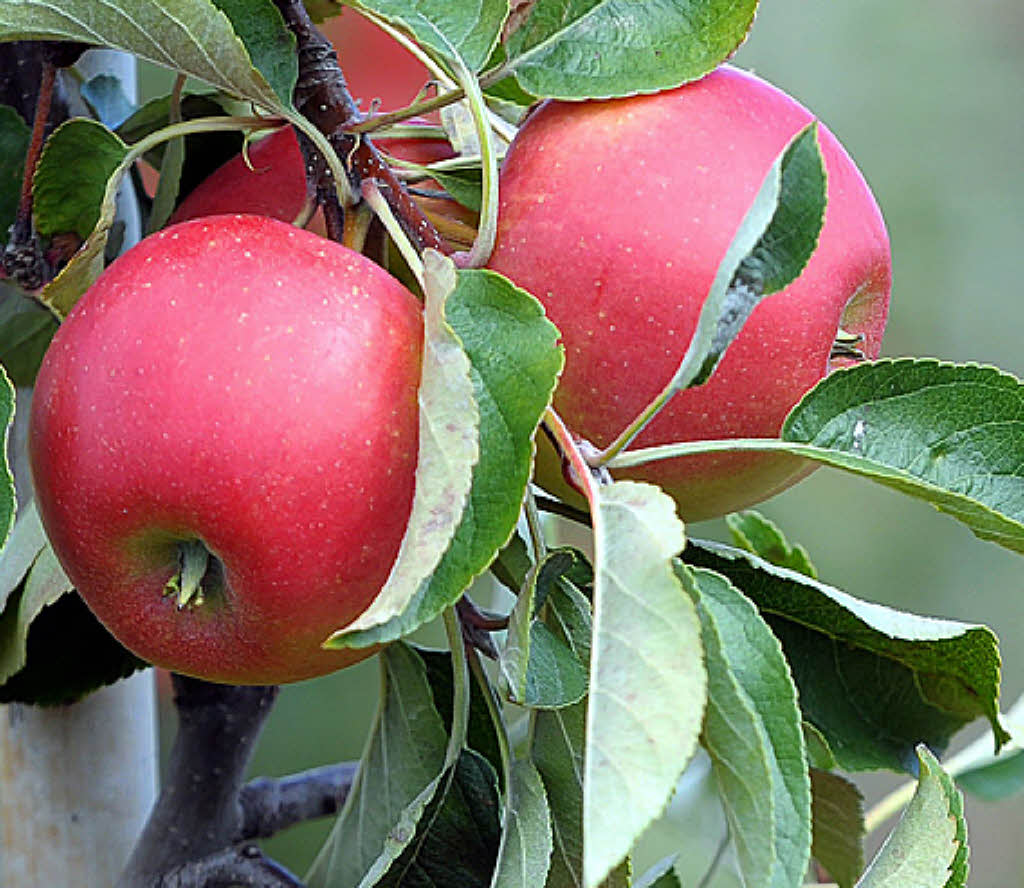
377	67
241	384
616	215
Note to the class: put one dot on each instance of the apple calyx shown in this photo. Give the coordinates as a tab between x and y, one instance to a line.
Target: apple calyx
195	564
847	345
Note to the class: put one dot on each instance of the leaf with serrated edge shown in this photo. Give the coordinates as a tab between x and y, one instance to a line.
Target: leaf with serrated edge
950	434
448	450
754	532
837	808
525	852
452	30
399	768
70	182
647	678
579	49
752	731
192	36
928	847
515	362
536	667
906	677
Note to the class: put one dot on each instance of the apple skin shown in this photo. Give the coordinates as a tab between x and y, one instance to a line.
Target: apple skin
242	382
377	67
616	215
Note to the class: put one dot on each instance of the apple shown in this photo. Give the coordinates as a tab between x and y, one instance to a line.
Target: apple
239	394
377	68
616	215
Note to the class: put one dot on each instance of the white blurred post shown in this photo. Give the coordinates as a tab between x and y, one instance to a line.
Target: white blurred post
77	782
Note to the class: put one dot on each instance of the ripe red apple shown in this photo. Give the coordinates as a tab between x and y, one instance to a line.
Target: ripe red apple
377	67
241	384
616	215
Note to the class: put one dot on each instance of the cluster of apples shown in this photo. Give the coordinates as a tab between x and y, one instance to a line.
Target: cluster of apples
224	432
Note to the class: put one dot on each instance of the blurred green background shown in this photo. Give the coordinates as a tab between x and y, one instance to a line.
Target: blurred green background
929	98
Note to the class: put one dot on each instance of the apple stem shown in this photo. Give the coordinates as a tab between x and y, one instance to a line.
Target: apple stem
186	584
379	204
583	474
329	111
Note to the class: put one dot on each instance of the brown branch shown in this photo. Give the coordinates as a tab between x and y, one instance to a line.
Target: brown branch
322	96
270	805
198	812
241	866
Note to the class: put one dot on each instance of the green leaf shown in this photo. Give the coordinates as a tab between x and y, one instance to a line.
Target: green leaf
558	742
837	809
89	198
398	777
515	361
537	668
950	434
192	36
452	30
661	875
928	847
752	731
773	244
819	753
464	184
647	678
268	41
874	681
458	838
15	135
953	435
481	735
513	564
750	530
578	49
26	329
448	450
993	777
71	180
526	844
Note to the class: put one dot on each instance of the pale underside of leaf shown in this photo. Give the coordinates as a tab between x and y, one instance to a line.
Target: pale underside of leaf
923	848
448	451
647	684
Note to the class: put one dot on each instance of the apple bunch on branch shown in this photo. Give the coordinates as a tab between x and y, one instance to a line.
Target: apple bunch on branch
365	361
